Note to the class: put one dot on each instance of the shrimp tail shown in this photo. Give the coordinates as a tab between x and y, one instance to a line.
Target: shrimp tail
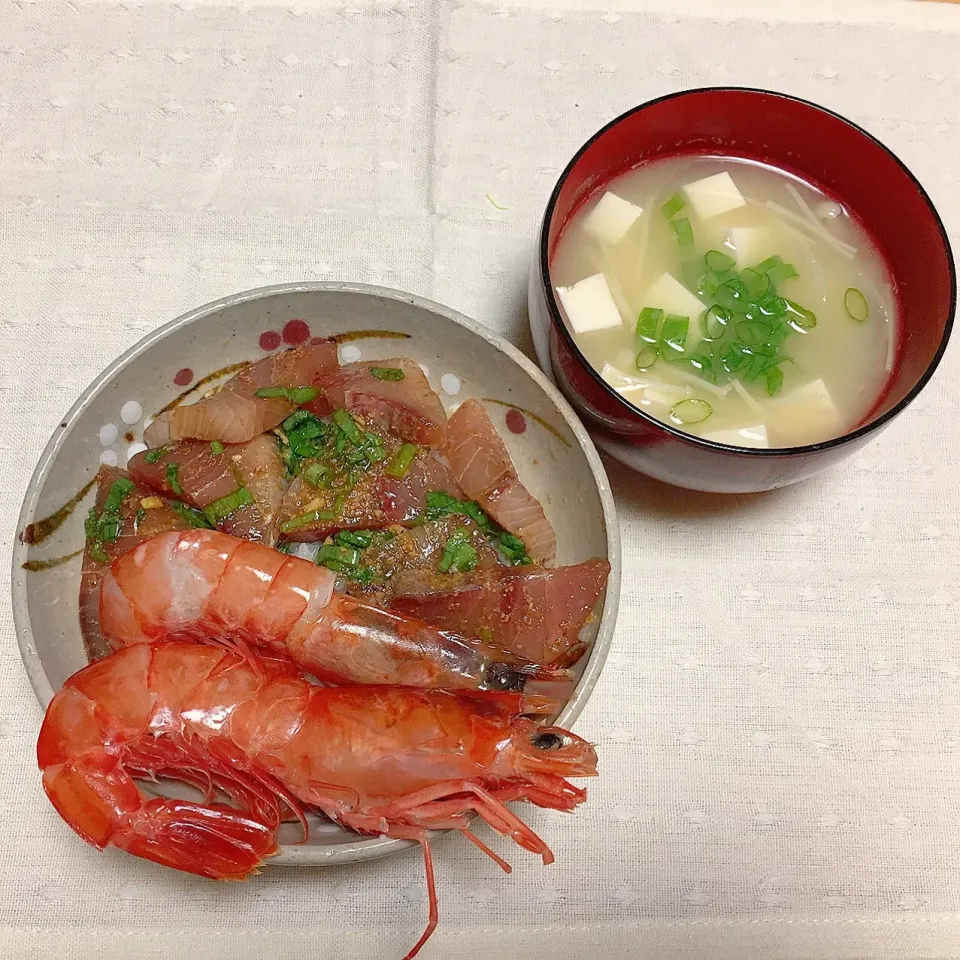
105	807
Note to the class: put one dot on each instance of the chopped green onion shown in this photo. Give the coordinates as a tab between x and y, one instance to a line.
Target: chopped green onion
648	324
459	555
647	356
733	356
673	206
718	261
152	456
757	284
217	447
772	306
138	518
361	539
98	553
800	318
732	293
401	461
173	478
387	373
312	516
691	410
106	527
752	333
338	557
714	321
703	366
855	303
194	517
514	549
221	509
674	333
768	264
781	272
683	232
119	489
316	474
295	395
774	377
346	424
298	418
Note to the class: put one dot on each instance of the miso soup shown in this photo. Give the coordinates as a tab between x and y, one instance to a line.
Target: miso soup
730	300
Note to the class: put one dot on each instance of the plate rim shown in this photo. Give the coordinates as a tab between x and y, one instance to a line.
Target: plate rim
376	847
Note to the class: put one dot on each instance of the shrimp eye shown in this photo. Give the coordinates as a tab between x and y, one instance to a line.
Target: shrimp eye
547	741
500	676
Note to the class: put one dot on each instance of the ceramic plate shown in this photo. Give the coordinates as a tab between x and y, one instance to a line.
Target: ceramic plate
554	456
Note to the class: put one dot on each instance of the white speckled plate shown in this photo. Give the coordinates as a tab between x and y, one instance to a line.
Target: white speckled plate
553	453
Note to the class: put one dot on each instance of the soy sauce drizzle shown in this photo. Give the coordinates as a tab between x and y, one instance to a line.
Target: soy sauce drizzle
39	530
35	565
369	335
209	378
533	416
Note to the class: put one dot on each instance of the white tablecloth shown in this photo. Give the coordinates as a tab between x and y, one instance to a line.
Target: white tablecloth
778	725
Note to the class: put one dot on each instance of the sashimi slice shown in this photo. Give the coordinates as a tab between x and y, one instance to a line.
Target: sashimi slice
376	501
419	549
531	611
235	414
481	464
408	407
138	523
205	476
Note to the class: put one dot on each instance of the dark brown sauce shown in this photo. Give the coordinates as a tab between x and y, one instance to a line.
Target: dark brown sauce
35	565
39	530
533	416
209	378
369	335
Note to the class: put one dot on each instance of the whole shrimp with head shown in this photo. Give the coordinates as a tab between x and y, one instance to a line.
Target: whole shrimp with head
394	761
202	584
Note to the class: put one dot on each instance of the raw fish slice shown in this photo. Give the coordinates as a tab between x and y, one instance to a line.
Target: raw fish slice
482	466
378	500
407	408
205	476
418	549
135	527
235	414
531	611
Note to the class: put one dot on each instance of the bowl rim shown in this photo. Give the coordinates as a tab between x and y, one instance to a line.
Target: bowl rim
367	848
543	261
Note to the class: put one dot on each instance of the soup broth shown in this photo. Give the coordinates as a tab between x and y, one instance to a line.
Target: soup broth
729	300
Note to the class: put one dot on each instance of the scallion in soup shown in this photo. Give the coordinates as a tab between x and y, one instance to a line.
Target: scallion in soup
729	300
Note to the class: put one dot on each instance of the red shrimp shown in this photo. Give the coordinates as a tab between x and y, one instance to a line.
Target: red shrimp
378	760
203	584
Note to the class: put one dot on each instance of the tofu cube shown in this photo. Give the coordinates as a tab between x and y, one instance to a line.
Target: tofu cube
671	296
805	415
751	245
755	436
611	218
665	394
713	196
623	383
590	305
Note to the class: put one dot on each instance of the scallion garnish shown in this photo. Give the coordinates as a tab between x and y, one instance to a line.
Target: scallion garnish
752	333
714	321
683	232
173	478
781	272
768	264
732	294
800	318
673	206
441	504
691	410
152	456
387	373
346	424
313	516
105	526
718	261
216	447
316	474
774	377
855	303
401	461
295	395
459	555
361	539
674	332
193	516
221	509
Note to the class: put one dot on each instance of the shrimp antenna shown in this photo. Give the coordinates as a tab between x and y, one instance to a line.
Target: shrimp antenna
432	895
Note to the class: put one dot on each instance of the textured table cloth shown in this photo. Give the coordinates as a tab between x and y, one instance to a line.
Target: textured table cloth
778	723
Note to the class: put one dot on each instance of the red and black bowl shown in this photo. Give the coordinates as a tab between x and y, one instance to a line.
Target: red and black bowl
822	148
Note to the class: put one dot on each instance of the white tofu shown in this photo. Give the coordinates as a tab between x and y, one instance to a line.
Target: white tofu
590	305
626	385
805	415
755	436
611	218
665	394
671	296
712	196
751	245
